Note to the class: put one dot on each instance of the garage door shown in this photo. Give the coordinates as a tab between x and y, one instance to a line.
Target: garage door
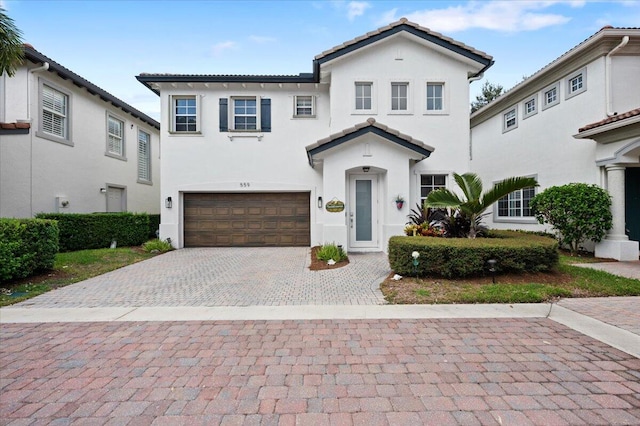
246	219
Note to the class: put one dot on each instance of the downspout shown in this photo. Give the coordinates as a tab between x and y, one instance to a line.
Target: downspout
607	75
44	67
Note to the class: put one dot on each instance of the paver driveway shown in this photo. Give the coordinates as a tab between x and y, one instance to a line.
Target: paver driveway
227	277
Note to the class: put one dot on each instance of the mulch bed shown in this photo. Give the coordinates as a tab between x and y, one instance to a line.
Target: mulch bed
320	265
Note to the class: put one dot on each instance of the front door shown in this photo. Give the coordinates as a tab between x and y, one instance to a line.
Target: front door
632	202
363	212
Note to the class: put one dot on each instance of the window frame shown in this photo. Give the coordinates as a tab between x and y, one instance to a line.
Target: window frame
525	113
407	98
505	121
67	138
433	186
296	107
545	104
373	97
122	154
173	115
233	115
444	96
531	191
149	180
568	83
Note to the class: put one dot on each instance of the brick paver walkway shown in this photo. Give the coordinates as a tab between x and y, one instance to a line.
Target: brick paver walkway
342	372
227	277
622	312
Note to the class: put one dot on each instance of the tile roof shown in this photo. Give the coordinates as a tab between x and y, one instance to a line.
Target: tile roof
612	119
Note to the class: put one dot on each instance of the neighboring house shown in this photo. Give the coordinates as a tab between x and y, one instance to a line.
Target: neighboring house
575	120
256	160
68	146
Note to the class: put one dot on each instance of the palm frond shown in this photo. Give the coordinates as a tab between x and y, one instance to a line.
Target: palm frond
442	198
505	187
470	184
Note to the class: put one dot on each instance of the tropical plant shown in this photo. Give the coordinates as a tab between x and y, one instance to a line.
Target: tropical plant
157	246
11	49
331	251
577	211
475	202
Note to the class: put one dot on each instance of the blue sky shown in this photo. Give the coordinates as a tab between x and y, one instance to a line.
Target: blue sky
110	42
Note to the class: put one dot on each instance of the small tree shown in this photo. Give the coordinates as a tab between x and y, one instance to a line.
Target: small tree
576	211
489	93
11	50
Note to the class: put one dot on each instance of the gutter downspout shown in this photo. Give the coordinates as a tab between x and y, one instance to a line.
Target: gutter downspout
44	67
607	76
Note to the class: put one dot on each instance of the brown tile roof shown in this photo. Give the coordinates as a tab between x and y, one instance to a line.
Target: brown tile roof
13	126
403	21
612	119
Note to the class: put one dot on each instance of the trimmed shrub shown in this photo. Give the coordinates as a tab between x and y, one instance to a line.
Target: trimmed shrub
26	246
154	225
157	246
463	257
97	230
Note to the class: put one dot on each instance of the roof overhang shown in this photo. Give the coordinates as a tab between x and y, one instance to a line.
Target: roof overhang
615	128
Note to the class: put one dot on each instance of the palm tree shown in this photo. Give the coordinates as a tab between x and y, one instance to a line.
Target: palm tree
475	202
11	49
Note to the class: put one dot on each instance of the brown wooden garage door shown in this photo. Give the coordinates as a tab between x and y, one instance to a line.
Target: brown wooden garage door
246	219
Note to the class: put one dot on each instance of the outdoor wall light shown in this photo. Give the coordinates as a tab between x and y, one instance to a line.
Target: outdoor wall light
319	202
103	190
492	268
366	169
168	203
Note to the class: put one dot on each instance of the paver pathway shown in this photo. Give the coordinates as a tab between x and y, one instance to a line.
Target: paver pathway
375	372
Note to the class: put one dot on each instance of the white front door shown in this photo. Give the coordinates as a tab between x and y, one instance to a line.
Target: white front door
363	212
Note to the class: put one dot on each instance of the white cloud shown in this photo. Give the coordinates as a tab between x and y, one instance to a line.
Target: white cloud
356	8
220	47
506	16
261	39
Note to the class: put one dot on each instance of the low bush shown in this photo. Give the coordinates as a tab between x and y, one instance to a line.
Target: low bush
154	225
157	246
331	251
26	246
97	230
463	257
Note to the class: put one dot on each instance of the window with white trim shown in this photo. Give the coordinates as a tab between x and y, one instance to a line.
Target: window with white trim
304	106
144	157
576	83
115	136
399	96
530	107
551	96
184	114
435	96
510	119
245	114
516	204
430	183
364	96
55	112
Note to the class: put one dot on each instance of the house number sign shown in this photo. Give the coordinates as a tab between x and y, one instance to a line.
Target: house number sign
244	184
334	206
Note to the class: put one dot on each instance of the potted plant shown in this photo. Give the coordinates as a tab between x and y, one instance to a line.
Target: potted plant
399	202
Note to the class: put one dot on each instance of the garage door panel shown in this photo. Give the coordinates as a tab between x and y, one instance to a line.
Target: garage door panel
247	219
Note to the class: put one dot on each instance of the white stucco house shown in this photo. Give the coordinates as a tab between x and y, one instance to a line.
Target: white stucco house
575	120
257	160
69	146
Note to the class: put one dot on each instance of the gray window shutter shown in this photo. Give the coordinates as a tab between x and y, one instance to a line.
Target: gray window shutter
265	115
224	114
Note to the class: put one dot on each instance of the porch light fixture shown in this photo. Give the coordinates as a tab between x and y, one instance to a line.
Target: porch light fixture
103	190
319	202
492	268
168	203
366	169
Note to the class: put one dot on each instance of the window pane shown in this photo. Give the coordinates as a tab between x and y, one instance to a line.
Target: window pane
434	96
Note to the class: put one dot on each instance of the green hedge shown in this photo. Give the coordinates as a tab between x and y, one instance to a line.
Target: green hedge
462	257
97	230
154	225
26	246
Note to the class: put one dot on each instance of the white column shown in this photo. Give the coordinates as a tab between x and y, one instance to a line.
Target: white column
615	179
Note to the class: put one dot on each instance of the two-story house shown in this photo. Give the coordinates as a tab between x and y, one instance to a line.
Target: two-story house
575	120
69	146
270	160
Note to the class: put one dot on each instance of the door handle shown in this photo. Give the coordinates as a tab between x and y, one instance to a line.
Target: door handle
351	219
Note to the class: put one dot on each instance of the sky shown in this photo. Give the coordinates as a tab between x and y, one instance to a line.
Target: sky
111	42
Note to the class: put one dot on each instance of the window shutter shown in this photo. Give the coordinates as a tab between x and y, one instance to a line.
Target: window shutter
224	114
265	115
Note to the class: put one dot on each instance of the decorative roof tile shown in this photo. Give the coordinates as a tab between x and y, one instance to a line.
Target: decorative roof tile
612	119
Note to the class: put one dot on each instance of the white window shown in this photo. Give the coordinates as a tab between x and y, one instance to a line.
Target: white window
144	157
304	106
576	83
55	112
516	204
115	136
245	114
530	107
430	183
435	97
364	94
510	119
184	114
551	96
399	96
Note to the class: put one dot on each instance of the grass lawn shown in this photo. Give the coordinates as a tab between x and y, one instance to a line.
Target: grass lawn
69	268
566	281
